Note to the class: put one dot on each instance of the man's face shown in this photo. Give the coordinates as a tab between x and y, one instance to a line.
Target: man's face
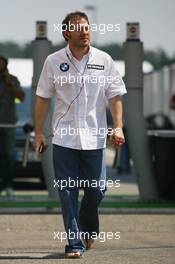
79	35
2	65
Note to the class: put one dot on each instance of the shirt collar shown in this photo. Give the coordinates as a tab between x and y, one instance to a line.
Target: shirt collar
69	53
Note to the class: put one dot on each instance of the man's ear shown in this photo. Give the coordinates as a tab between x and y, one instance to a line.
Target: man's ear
67	35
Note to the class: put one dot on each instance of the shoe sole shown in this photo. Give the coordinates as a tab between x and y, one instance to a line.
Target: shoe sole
73	255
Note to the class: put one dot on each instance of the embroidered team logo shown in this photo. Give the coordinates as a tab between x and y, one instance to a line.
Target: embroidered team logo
95	66
64	67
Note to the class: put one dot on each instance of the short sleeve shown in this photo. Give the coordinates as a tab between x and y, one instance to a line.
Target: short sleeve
46	87
115	85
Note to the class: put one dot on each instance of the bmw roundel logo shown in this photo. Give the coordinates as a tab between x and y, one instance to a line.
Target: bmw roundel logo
64	67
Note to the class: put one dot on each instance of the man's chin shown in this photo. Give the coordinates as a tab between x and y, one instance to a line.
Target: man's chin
84	43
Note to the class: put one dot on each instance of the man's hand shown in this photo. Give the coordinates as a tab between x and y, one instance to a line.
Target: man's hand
40	144
117	138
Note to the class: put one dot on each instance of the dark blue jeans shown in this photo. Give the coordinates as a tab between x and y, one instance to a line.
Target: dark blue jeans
86	168
7	157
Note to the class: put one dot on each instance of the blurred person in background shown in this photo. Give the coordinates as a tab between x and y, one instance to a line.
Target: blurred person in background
9	90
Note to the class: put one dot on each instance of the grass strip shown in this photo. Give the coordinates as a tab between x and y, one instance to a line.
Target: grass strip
104	204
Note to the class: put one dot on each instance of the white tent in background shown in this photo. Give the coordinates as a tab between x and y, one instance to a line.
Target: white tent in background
22	69
147	67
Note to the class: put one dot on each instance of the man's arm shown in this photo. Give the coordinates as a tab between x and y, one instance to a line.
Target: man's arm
14	86
115	106
17	93
41	112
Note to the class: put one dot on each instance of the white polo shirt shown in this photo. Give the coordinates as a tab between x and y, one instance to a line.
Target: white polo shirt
80	90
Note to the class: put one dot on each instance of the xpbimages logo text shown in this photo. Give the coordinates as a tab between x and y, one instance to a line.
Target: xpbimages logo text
102	132
101	28
100	80
81	183
102	236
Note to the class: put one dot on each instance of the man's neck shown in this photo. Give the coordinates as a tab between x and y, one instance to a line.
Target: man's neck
78	52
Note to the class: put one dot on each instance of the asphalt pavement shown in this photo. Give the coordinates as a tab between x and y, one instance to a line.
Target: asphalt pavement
144	239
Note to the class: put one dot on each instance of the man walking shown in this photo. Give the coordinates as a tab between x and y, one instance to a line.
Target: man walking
81	78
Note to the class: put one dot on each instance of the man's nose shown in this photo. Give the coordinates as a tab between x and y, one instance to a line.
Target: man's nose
85	30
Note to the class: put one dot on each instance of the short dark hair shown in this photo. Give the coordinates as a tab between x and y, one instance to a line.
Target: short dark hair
73	15
5	60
